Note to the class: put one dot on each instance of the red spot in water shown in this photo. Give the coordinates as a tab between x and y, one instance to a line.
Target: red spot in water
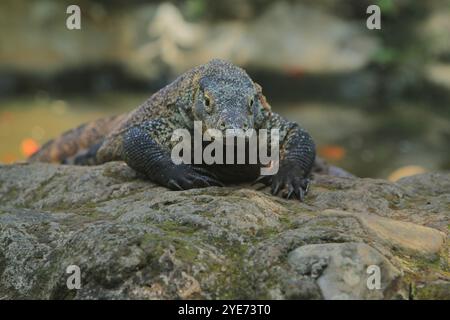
332	152
28	146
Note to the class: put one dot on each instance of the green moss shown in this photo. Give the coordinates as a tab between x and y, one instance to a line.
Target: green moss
12	194
265	233
184	249
232	280
175	229
423	274
437	264
432	291
327	223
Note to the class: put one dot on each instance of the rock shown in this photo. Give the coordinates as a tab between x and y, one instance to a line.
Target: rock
341	270
409	236
133	239
435	290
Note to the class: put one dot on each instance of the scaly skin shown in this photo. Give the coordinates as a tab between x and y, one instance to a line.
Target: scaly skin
220	95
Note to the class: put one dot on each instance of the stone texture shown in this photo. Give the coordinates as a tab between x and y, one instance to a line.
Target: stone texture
133	239
341	270
409	236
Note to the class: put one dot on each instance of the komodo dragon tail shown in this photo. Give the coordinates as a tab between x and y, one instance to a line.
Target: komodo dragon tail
79	145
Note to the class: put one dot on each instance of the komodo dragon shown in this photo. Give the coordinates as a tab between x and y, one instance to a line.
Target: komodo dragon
219	94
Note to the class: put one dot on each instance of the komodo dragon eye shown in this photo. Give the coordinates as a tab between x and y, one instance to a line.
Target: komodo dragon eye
207	102
251	101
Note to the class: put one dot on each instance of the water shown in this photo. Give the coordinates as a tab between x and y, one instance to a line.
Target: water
29	121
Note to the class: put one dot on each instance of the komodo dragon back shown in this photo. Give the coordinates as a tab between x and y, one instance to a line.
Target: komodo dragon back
76	141
80	145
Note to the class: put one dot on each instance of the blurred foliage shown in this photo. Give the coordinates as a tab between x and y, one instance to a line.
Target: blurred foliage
400	62
195	9
387	6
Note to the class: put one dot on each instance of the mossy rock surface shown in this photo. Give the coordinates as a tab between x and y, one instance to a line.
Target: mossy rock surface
135	240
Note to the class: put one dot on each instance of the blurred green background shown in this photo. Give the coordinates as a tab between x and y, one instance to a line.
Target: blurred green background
377	102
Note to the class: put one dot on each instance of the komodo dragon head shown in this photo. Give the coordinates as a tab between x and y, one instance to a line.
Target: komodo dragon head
226	97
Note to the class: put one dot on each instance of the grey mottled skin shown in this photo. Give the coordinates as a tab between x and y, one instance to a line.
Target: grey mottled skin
220	95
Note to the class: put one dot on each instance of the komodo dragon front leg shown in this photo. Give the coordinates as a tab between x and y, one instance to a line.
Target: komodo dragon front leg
147	154
297	156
